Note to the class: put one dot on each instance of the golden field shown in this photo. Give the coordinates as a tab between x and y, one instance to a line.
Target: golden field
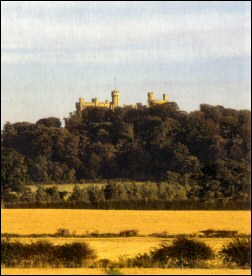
47	221
126	271
43	221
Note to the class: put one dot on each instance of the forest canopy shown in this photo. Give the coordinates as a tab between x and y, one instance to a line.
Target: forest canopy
207	151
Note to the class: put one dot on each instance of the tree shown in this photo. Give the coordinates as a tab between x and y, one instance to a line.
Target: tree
37	173
41	195
70	176
109	191
237	251
79	195
49	122
13	171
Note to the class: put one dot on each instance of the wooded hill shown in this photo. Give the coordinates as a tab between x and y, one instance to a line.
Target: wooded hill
207	151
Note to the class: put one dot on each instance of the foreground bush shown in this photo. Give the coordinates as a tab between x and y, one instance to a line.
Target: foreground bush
238	252
11	253
75	254
183	252
43	253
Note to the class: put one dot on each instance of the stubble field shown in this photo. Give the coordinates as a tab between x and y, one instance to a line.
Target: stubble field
47	221
41	221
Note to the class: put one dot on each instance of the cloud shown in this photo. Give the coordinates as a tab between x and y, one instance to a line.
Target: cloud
154	47
29	27
151	38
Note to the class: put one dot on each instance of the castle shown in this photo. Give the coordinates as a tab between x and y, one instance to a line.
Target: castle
115	95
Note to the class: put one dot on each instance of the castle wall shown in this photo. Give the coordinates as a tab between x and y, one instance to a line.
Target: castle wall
115	95
151	99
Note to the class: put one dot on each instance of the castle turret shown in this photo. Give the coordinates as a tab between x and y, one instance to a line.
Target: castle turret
115	98
165	97
151	96
79	105
152	101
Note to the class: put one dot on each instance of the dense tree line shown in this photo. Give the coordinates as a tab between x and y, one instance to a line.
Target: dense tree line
206	152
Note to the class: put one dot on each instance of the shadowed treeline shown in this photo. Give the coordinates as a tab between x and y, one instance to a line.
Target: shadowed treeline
202	157
182	252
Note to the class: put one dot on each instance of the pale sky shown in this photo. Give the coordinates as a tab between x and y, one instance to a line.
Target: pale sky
56	52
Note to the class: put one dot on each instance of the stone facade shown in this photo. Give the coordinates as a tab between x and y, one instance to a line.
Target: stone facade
115	102
151	99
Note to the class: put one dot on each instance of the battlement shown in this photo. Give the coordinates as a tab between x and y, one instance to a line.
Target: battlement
151	99
115	102
115	92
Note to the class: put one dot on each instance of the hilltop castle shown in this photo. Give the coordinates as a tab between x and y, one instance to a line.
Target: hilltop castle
115	95
151	99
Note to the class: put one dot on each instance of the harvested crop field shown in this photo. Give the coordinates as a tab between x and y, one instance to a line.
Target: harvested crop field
41	221
47	221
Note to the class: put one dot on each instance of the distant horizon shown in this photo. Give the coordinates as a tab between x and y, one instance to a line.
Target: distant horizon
121	105
54	53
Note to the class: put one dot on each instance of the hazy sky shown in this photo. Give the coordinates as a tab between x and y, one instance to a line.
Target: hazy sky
55	52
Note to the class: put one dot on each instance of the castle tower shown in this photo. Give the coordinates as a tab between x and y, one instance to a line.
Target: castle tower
95	101
79	105
151	97
115	98
165	97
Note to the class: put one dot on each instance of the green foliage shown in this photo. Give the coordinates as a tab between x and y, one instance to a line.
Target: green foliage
203	155
49	195
238	252
49	122
13	171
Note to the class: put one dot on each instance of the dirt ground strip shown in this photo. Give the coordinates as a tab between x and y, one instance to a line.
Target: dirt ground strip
125	271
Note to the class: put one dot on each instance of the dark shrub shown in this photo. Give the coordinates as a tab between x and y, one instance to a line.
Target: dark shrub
182	252
11	253
142	260
128	233
74	254
63	232
104	263
40	253
43	253
237	251
210	233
